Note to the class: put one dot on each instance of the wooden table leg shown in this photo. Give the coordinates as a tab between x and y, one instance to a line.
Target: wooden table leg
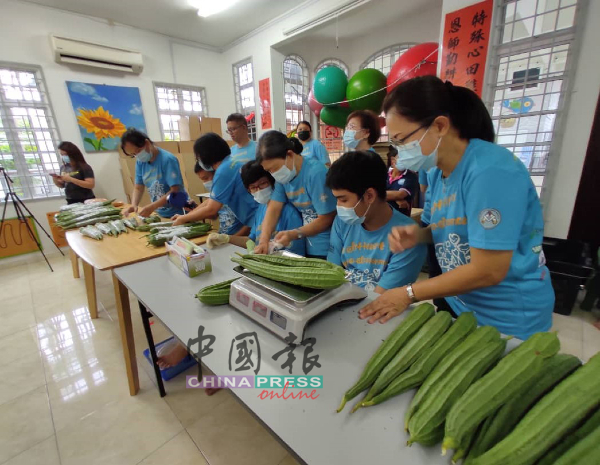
126	327
74	263
90	287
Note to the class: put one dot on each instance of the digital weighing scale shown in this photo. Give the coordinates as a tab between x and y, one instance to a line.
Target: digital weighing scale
283	308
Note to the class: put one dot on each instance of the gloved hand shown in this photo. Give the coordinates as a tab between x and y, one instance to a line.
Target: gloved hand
216	239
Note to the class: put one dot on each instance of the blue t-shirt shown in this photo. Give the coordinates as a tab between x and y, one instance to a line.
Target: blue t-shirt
367	254
158	177
311	197
489	202
289	219
228	222
423	178
314	149
228	188
248	152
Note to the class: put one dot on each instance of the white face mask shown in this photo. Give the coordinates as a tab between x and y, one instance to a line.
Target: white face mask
284	175
208	185
263	196
411	157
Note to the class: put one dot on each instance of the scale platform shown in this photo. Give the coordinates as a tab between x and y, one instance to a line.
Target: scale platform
283	308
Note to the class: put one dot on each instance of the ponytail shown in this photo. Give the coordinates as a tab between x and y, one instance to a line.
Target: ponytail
424	98
275	144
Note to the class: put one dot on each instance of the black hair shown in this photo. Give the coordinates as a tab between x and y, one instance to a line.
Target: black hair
369	121
304	122
134	136
274	144
358	171
253	171
211	148
392	152
75	156
197	167
424	98
237	118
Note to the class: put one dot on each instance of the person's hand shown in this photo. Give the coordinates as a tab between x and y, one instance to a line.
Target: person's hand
388	305
178	220
285	237
216	239
403	237
128	210
261	248
403	204
66	178
147	211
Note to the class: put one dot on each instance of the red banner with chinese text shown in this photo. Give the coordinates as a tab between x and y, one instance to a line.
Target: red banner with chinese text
465	45
264	95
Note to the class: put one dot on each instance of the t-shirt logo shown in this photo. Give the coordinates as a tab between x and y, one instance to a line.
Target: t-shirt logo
489	218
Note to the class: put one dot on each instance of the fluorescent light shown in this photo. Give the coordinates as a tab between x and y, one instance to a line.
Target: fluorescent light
208	8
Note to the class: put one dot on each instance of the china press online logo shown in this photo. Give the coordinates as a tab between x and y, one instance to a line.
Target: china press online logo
266	383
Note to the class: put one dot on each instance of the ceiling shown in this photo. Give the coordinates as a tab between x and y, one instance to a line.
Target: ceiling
176	18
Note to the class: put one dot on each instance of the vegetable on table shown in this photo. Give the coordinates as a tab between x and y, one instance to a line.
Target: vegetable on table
585	452
188	232
91	231
215	294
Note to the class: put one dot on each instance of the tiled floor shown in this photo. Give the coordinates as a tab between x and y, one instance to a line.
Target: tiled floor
64	396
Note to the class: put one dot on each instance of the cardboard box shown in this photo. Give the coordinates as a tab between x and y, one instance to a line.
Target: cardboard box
192	264
199	126
195	125
212	125
128	175
171	146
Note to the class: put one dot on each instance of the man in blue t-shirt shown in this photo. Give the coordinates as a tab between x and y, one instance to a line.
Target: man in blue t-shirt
156	170
359	236
260	184
237	128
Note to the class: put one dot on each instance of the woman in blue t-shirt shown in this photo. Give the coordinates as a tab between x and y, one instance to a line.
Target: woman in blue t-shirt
311	148
301	182
484	215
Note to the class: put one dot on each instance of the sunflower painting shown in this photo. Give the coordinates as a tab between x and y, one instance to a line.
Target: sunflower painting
104	112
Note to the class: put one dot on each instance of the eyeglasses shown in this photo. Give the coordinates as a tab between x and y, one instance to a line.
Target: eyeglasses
232	130
403	140
258	187
353	128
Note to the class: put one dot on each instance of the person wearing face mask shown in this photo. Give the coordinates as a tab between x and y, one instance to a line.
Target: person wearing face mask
401	185
237	128
76	176
362	130
364	220
228	222
301	182
260	184
484	215
214	155
312	148
156	170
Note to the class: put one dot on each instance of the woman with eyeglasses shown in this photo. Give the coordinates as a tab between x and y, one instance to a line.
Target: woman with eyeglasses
362	130
300	181
484	215
312	148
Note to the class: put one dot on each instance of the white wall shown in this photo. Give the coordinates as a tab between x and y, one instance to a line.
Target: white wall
24	38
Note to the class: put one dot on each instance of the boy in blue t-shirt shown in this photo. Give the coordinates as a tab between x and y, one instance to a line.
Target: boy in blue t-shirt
359	236
260	184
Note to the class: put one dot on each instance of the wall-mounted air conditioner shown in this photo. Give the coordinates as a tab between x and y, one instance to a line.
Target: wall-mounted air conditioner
80	52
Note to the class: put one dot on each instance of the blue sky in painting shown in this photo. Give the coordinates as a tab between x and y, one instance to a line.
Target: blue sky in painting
123	103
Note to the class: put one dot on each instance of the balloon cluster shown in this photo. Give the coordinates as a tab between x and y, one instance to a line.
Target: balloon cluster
333	96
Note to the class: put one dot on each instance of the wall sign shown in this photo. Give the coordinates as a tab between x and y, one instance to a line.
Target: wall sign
264	94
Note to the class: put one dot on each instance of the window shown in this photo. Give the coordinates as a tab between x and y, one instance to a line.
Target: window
295	91
332	137
28	133
243	82
530	68
383	60
173	102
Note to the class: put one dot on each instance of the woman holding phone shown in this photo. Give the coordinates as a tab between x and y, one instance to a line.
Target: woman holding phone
76	176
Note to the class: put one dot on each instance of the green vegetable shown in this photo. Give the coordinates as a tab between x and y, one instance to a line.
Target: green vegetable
497	426
476	339
104	228
390	347
131	223
250	245
424	365
216	294
558	412
91	231
283	260
119	226
585	452
187	232
154	218
505	381
429	333
431	415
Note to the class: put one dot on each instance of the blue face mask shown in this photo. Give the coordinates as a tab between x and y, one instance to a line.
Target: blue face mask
410	156
204	167
284	175
349	140
208	185
263	196
144	156
349	216
65	159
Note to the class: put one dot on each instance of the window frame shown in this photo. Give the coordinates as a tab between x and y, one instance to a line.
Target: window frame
179	88
238	88
26	189
303	105
395	51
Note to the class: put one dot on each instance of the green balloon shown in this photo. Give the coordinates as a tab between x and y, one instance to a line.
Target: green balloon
330	85
362	83
335	115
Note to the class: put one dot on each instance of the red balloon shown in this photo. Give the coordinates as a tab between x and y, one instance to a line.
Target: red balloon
382	122
416	61
315	106
345	104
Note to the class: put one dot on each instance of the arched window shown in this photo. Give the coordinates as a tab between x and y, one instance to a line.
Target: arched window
295	90
383	60
331	137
